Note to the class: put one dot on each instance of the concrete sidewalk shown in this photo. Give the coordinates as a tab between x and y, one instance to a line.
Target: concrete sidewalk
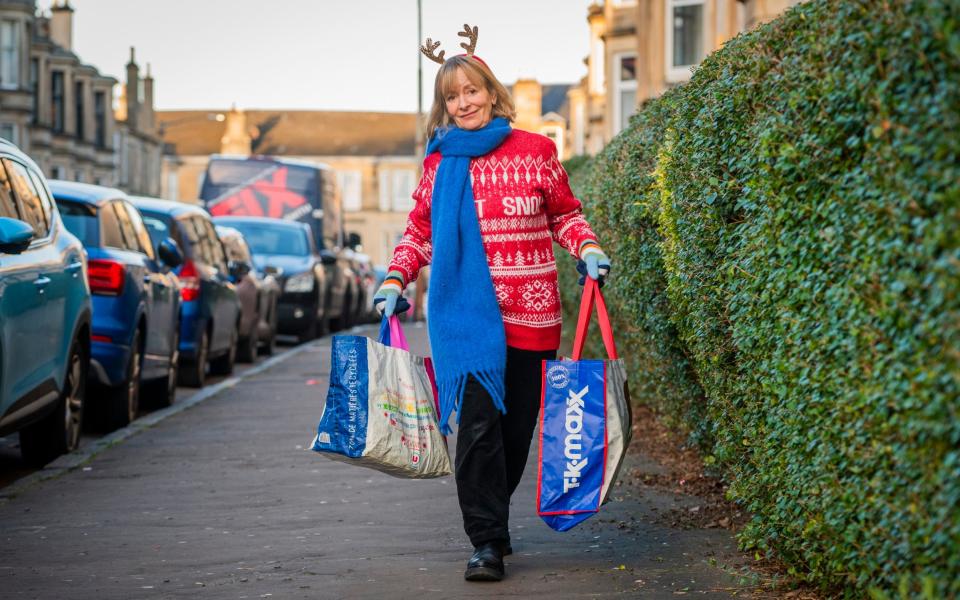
224	500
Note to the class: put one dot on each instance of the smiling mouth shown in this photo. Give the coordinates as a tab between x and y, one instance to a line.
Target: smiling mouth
468	115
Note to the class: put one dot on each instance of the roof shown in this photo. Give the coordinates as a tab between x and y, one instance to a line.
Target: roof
554	99
83	192
296	132
169	207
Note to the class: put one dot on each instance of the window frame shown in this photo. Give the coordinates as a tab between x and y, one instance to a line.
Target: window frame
58	114
403	183
13	61
14	129
44	211
353	177
620	86
680	73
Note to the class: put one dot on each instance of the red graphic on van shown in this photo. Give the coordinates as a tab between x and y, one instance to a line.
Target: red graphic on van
265	197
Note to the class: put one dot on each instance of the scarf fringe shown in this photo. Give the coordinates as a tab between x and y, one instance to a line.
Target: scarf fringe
452	391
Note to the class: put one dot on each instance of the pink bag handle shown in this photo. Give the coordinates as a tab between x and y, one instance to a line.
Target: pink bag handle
397	337
591	294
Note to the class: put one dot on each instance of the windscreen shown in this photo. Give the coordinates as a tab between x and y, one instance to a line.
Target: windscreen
263	238
158	229
81	221
259	188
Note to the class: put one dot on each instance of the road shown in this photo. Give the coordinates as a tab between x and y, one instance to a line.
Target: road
225	500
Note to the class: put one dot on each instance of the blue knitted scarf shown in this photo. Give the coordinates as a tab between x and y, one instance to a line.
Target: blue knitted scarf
465	325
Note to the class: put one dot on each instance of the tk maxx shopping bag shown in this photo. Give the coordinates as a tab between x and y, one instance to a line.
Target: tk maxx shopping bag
380	410
585	424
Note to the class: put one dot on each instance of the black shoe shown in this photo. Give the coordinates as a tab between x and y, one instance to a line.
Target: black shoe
507	548
486	564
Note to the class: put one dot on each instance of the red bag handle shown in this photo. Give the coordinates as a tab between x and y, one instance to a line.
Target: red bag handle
591	295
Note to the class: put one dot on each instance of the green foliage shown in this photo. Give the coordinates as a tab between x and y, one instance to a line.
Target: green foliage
785	234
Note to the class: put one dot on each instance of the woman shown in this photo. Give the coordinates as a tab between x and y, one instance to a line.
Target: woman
490	202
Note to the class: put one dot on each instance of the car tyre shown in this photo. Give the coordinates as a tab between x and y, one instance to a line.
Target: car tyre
247	352
124	400
223	364
193	373
59	431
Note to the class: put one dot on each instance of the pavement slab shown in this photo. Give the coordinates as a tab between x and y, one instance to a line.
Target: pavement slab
225	500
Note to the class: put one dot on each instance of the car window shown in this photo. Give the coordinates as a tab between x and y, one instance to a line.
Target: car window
274	239
110	236
216	247
157	228
8	207
130	239
146	246
46	201
31	207
80	220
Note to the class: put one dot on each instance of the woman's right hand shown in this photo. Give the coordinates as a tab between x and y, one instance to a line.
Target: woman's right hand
388	300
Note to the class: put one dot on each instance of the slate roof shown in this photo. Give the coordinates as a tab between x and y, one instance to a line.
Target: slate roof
296	132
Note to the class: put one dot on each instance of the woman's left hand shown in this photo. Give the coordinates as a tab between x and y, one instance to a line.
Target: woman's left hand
595	265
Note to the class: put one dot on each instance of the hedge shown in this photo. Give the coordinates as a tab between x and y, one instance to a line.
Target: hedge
785	231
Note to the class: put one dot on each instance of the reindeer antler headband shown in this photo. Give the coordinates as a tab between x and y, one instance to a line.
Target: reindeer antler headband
430	46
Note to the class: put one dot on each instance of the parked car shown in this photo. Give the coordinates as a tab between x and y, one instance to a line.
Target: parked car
285	249
258	293
294	190
45	314
136	299
210	307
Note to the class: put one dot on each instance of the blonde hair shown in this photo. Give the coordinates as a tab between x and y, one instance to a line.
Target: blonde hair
480	75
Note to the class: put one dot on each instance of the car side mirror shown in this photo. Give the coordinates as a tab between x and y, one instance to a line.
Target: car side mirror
15	235
169	252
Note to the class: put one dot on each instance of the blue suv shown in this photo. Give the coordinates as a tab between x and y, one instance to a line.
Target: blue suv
136	298
210	307
45	314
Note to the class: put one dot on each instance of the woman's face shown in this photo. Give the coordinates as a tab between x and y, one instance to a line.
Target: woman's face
471	106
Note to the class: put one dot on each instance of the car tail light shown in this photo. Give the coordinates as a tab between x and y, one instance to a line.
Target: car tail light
105	277
189	281
100	338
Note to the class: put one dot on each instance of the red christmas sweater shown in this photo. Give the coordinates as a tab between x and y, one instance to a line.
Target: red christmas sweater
524	203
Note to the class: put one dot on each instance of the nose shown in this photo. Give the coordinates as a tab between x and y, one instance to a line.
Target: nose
462	102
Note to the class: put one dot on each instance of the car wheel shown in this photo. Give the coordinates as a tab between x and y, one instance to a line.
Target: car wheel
223	365
247	352
193	373
124	400
59	431
163	392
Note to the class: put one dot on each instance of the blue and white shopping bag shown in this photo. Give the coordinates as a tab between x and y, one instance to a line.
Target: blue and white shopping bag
585	425
380	408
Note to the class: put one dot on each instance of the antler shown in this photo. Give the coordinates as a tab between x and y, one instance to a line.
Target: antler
428	49
472	34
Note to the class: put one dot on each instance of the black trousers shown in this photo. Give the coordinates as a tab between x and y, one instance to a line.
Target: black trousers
492	447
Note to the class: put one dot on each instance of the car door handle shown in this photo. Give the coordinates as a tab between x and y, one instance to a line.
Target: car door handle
74	267
41	282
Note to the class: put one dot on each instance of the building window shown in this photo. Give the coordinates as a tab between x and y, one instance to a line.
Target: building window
8	131
685	37
396	189
555	133
403	184
625	92
9	54
100	119
58	172
79	95
56	101
350	190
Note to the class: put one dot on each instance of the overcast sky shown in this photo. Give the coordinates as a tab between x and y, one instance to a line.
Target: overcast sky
321	54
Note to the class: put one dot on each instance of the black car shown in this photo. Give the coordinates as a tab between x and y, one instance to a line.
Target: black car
286	250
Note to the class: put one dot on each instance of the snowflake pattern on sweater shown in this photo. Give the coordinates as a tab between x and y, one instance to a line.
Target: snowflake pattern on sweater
524	204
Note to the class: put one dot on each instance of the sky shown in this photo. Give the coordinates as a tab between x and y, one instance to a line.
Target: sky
320	54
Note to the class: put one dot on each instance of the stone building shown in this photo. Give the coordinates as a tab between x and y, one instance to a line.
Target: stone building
60	111
640	48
